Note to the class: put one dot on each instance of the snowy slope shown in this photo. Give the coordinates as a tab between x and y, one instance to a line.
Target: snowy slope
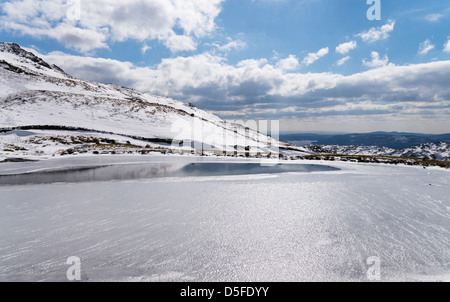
434	151
35	93
437	151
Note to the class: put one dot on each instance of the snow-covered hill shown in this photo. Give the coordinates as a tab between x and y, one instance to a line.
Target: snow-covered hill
434	151
37	95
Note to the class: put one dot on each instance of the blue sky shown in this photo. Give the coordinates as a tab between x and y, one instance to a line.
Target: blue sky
316	65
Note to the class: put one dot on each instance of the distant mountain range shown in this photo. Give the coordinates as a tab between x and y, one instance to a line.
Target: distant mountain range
394	140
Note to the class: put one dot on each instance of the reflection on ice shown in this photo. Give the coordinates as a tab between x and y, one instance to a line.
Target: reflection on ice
154	170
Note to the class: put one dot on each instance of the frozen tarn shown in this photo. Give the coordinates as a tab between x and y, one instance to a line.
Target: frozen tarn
320	226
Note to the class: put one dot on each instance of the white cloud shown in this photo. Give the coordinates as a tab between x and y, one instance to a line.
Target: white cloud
103	21
376	34
345	48
376	60
290	63
179	43
257	88
81	39
314	56
425	47
447	46
343	61
230	45
145	48
434	17
410	97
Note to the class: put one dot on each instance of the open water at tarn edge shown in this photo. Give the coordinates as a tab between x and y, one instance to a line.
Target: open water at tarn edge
154	170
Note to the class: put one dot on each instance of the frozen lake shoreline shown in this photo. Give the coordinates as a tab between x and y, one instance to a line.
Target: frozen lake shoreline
99	169
313	226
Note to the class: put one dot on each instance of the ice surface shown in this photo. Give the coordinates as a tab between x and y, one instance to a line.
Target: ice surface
151	170
319	226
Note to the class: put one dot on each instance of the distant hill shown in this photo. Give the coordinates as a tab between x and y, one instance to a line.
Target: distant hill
433	151
394	140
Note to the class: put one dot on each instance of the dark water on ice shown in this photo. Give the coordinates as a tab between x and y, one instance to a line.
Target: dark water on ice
154	170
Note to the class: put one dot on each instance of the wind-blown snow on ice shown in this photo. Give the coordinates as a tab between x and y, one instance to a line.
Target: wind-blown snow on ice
319	226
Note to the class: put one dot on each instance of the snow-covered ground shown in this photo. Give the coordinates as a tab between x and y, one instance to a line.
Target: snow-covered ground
42	144
435	151
316	226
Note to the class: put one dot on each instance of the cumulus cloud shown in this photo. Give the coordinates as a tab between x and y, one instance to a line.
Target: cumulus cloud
145	48
447	46
376	34
345	48
259	89
230	45
314	56
290	63
343	61
89	25
376	60
179	43
425	47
